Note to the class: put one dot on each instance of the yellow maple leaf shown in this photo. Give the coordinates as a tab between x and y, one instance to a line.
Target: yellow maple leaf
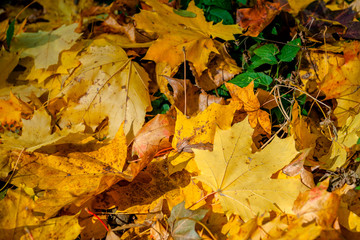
8	61
175	32
347	136
107	85
338	77
45	47
199	131
18	220
36	133
74	175
242	180
250	103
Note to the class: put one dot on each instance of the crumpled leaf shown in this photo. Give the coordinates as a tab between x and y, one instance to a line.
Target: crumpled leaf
193	34
182	222
242	180
257	18
45	47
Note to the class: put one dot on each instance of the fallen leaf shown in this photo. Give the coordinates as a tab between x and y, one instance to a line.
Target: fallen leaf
194	34
12	110
242	180
182	222
317	205
154	136
117	91
199	131
45	47
347	137
71	177
297	6
251	105
36	133
8	61
255	19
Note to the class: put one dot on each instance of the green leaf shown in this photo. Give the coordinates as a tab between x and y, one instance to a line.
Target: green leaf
358	141
218	14
243	79
243	2
267	52
224	4
301	99
10	33
184	13
182	222
290	50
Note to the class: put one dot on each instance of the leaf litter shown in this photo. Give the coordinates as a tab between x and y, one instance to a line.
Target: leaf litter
255	138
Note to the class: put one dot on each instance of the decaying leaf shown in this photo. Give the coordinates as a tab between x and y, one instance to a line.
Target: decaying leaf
255	19
193	34
242	180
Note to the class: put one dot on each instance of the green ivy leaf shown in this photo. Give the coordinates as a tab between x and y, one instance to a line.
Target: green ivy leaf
290	50
224	4
267	52
218	14
243	79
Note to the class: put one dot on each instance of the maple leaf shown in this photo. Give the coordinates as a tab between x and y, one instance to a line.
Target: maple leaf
72	177
107	86
8	62
347	137
45	47
242	180
199	131
36	133
250	103
17	219
182	222
193	33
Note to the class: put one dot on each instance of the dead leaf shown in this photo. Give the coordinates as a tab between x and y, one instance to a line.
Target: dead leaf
255	19
45	47
251	105
115	81
242	180
200	129
193	34
154	136
317	205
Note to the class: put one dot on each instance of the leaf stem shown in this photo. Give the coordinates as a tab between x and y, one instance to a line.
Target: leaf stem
88	211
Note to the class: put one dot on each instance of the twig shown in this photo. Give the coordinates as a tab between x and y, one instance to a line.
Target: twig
184	79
